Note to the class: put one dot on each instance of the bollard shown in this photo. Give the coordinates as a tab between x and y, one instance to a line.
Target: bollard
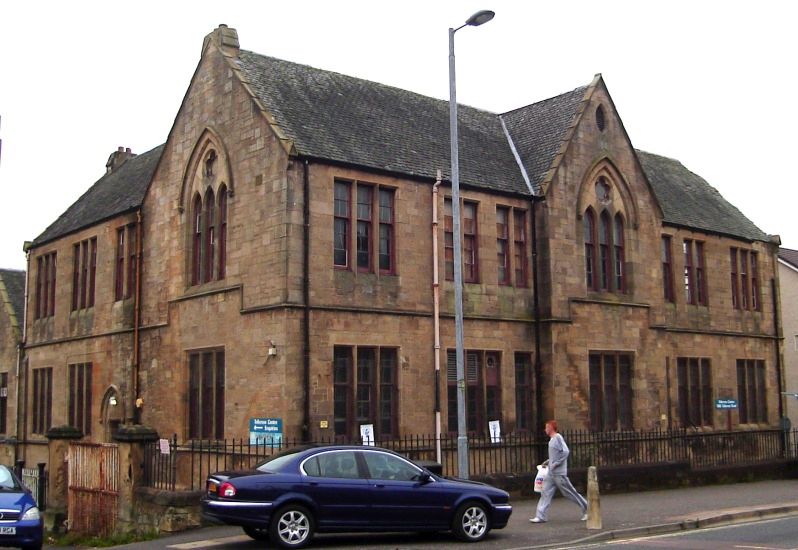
593	502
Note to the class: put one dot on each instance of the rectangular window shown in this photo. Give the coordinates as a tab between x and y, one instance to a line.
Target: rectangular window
365	392
751	396
79	406
695	391
45	285
130	288
667	269
695	284
610	379
341	224
448	239
700	274
519	248
119	265
386	231
3	402
206	382
689	284
735	289
42	400
523	391
470	250
364	235
483	389
84	266
744	303
755	302
502	244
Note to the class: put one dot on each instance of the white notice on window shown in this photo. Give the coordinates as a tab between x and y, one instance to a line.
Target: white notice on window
495	431
164	445
367	434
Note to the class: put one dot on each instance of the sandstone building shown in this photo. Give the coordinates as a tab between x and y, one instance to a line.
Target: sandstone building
788	286
12	306
274	259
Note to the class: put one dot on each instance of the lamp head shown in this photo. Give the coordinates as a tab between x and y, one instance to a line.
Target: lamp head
480	18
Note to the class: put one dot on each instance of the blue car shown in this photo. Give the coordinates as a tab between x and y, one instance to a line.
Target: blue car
21	523
306	490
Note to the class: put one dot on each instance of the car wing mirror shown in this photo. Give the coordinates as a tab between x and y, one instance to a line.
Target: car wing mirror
425	477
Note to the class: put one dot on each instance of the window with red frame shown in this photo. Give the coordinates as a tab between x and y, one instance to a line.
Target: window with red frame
42	400
695	283
341	224
694	389
589	227
744	276
363	238
365	390
519	245
387	247
470	250
755	301
667	269
210	237
523	391
605	263
126	269
751	392
483	389
502	244
222	232
689	276
196	242
79	403
619	255
119	265
735	289
84	267
206	384
132	268
610	377
45	286
448	239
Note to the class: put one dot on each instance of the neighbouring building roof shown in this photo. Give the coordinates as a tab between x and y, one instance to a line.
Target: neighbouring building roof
790	256
120	191
687	200
13	281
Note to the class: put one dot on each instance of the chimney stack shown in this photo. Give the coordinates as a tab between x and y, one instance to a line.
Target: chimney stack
118	158
224	38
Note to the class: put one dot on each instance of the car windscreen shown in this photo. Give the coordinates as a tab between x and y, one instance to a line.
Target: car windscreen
7	480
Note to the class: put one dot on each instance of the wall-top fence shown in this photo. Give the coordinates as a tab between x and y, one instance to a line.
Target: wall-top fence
185	466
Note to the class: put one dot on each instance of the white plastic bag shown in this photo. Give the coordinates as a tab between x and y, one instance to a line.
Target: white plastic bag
540	479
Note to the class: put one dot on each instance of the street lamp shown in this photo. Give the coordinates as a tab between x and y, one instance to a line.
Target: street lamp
479	18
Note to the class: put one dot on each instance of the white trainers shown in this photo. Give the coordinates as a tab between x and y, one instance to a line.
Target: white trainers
536	520
584	517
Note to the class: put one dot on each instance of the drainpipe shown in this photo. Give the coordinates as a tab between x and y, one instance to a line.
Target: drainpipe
137	404
436	308
779	367
306	299
536	313
20	348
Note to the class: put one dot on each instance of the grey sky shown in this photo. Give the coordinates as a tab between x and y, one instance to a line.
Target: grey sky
708	83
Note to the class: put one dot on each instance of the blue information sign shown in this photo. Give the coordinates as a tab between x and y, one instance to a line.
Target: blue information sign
266	431
725	403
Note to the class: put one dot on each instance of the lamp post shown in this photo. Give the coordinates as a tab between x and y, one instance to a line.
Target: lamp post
475	20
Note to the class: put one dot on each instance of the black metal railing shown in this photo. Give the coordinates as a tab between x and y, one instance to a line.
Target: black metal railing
185	466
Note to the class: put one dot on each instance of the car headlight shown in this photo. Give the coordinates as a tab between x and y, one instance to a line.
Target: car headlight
31	513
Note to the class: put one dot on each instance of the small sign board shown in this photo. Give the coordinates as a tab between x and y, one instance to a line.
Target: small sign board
266	431
495	431
163	445
725	403
367	434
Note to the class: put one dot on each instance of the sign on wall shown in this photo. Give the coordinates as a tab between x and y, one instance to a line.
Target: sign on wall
266	431
725	403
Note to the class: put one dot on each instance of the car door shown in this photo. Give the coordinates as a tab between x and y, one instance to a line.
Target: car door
337	484
399	497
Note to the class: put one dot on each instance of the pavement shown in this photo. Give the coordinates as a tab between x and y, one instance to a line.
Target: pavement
622	516
644	513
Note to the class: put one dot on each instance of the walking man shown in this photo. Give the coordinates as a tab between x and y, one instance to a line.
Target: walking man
558	476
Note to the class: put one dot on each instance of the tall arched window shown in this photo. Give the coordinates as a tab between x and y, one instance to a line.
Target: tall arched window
589	225
222	231
196	246
605	266
618	242
210	236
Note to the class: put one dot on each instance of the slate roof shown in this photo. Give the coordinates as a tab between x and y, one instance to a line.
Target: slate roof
687	200
113	194
340	118
537	131
14	282
790	256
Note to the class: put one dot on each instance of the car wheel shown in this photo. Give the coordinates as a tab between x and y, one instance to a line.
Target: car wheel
292	527
471	522
257	533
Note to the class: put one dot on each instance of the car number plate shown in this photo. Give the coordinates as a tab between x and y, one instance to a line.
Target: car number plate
8	530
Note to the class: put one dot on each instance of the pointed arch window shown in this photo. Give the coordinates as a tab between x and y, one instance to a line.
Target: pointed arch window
619	256
605	265
222	232
210	236
196	243
589	223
